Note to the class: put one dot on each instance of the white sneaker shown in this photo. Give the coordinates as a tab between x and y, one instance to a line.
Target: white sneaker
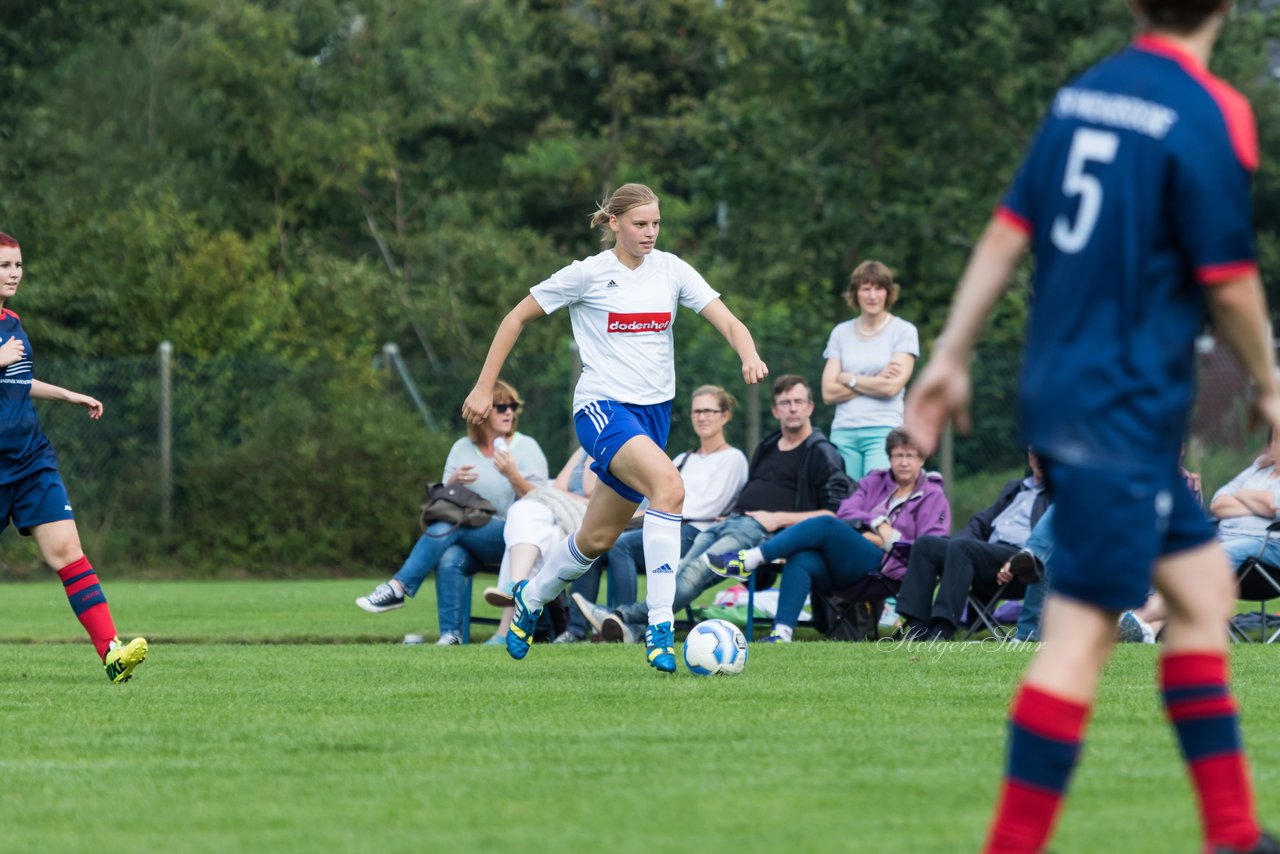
595	614
450	639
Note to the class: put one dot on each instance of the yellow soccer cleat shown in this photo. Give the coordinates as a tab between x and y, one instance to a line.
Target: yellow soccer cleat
122	658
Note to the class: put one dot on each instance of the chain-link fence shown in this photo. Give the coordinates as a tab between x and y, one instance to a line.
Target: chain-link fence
267	467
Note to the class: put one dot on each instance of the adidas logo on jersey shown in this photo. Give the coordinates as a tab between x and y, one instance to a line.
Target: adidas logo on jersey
612	284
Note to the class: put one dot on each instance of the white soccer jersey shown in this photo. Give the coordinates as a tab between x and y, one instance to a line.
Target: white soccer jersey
622	321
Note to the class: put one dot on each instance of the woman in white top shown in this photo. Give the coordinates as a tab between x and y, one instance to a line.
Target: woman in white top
713	473
1246	506
622	303
869	360
480	462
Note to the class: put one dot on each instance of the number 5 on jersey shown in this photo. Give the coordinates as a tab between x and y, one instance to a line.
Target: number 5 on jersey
1087	146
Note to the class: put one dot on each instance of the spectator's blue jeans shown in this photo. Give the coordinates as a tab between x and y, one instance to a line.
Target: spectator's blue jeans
1040	544
454	556
1238	549
822	553
623	562
733	534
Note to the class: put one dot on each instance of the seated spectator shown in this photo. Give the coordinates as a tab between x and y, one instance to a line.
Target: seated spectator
501	476
713	472
872	530
535	524
971	559
1246	506
1132	627
795	474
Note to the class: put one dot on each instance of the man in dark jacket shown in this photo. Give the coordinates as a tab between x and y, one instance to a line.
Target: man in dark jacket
795	474
971	559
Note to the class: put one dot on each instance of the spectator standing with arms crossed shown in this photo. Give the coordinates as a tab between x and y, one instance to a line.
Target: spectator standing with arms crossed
869	360
622	304
31	489
1135	198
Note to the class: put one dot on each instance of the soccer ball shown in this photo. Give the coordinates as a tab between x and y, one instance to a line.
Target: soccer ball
715	647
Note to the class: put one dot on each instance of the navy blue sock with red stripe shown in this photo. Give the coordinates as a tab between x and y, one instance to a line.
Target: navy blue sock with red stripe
89	603
1045	733
1203	713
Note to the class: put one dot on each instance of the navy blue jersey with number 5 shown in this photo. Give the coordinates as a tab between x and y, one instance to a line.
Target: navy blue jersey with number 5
1135	196
23	446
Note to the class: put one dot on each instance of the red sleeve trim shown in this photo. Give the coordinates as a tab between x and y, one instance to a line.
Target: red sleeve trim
1216	274
1236	112
1013	220
8	312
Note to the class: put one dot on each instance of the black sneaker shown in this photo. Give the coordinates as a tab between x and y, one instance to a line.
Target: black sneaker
1267	844
1026	567
383	598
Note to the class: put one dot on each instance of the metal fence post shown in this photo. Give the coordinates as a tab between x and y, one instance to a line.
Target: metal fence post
166	438
947	455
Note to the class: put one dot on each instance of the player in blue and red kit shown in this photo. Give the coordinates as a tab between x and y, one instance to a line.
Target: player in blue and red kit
31	492
1135	198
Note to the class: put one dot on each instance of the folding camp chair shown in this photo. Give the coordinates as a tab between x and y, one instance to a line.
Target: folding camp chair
1258	581
839	607
980	606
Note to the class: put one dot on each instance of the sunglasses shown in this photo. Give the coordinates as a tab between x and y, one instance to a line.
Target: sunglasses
506	407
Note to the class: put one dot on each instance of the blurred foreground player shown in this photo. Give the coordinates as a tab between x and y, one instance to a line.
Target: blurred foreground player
31	490
1135	198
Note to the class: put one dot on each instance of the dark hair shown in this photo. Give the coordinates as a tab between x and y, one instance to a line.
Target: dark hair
786	382
899	438
1178	16
871	273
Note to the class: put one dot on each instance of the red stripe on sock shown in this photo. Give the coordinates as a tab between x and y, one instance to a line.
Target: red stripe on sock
1023	820
96	620
1048	715
74	568
1187	669
1226	801
1213	707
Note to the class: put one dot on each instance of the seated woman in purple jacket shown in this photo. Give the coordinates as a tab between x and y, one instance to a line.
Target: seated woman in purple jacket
871	530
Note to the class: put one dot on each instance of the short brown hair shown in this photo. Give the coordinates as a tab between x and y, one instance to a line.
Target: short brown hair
1178	16
899	438
786	382
871	273
503	392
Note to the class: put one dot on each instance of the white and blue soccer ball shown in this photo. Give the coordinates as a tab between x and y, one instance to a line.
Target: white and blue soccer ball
715	647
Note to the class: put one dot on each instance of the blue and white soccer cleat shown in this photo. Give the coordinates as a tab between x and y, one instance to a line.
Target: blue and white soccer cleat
659	648
729	564
520	632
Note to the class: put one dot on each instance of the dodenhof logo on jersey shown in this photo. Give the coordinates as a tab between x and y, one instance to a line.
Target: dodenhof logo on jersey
656	321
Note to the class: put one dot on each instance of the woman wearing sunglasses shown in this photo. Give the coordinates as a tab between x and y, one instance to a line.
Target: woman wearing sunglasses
496	462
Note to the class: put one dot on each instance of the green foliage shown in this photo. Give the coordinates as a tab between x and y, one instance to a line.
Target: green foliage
304	181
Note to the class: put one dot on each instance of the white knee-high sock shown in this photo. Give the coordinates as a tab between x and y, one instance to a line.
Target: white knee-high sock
561	567
661	558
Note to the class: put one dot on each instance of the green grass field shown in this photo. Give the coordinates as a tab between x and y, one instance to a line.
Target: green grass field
275	716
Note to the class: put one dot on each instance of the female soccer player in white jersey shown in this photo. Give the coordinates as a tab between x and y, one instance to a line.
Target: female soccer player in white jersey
622	304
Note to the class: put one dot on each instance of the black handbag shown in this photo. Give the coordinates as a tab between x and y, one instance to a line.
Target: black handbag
456	505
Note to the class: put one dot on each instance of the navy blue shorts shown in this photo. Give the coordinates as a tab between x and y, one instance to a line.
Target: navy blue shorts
604	426
34	500
1111	527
